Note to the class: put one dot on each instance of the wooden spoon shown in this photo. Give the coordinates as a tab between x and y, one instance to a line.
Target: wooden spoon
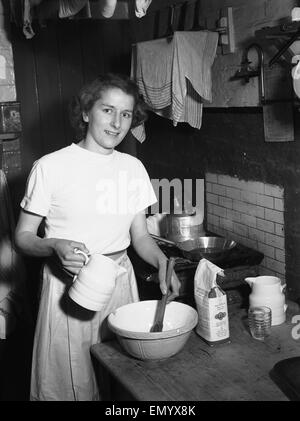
161	304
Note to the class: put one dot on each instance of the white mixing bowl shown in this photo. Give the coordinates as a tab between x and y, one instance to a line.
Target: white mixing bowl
132	323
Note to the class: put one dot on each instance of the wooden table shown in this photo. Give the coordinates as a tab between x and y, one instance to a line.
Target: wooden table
238	370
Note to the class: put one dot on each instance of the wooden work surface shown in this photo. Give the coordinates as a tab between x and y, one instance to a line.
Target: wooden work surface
238	370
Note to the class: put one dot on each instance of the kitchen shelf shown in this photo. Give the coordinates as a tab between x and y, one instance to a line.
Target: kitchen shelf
285	29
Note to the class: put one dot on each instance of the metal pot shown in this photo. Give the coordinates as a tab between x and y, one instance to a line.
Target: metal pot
182	227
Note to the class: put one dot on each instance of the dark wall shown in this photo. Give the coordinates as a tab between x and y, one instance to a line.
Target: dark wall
166	152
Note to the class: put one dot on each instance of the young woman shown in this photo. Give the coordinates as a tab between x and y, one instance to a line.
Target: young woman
92	198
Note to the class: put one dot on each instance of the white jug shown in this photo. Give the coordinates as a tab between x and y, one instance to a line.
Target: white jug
94	284
268	291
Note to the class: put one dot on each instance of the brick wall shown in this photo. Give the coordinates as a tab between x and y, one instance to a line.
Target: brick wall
251	213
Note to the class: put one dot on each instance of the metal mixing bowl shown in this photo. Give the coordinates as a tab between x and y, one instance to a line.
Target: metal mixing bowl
207	247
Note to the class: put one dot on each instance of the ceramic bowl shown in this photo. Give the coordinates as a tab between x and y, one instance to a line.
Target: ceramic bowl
132	323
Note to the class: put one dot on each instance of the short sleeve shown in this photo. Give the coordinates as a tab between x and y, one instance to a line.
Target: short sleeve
37	198
145	192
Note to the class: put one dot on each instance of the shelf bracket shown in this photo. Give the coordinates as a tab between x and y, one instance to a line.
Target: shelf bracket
284	48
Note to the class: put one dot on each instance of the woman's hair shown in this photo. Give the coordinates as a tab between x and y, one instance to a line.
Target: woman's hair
91	92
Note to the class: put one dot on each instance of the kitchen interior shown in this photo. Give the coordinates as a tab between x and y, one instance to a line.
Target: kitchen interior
245	148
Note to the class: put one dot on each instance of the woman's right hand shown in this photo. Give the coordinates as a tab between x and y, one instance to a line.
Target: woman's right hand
65	251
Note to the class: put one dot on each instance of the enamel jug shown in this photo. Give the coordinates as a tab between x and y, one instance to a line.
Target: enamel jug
268	291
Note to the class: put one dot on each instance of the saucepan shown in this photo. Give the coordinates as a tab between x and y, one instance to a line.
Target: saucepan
211	248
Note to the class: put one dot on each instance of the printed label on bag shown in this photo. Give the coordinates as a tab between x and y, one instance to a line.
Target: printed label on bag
213	317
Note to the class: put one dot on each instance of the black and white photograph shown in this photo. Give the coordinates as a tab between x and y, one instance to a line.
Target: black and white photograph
150	204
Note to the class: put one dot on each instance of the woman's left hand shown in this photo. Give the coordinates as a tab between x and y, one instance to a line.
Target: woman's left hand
175	283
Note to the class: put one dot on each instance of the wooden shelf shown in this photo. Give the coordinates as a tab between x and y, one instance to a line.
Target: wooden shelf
286	29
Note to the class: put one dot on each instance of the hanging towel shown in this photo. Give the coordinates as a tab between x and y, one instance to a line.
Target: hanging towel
27	19
141	7
68	8
119	11
278	108
22	13
107	7
174	76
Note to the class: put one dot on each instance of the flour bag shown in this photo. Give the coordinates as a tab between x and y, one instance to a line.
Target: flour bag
211	302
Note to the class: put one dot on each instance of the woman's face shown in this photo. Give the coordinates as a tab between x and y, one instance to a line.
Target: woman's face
109	120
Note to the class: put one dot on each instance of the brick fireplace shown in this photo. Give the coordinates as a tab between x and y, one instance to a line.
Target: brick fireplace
251	213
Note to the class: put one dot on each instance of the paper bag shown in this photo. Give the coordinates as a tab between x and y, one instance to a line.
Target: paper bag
211	302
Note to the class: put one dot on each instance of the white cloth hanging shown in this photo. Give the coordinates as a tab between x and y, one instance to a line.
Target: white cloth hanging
108	7
174	76
68	8
141	7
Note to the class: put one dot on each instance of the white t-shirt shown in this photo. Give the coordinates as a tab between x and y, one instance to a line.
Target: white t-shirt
88	197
